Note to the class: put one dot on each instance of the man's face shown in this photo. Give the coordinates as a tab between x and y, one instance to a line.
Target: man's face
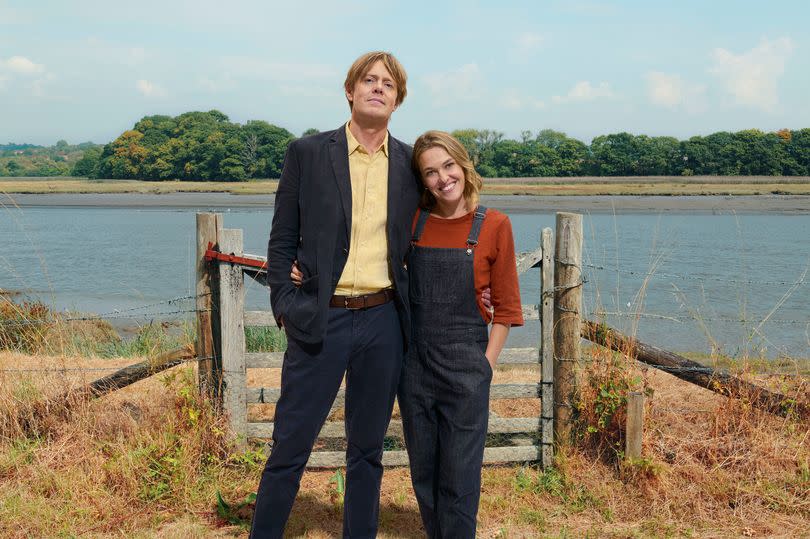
374	95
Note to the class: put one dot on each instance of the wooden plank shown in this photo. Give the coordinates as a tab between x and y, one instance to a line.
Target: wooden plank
547	351
231	308
336	429
270	395
492	455
264	360
208	227
509	356
530	312
635	425
526	261
517	356
567	317
260	318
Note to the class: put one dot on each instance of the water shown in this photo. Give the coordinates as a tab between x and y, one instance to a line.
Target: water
699	282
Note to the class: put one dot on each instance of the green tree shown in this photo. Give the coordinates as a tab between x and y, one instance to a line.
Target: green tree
88	165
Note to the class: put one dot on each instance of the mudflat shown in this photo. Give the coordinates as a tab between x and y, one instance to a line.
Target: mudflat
706	204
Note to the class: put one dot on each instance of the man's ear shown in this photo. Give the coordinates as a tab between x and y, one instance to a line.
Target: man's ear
349	96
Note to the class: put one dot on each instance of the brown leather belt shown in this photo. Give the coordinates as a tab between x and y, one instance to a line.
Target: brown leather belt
362	302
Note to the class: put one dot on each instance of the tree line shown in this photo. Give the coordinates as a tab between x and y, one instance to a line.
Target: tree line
33	160
208	146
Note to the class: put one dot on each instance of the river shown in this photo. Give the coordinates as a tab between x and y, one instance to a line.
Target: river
685	273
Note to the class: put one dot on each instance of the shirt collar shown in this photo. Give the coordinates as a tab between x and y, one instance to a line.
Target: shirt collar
353	144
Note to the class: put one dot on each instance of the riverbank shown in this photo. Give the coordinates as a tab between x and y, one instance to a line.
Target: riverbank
707	204
150	459
577	186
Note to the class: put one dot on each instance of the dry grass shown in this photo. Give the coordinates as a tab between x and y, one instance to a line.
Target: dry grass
521	186
147	462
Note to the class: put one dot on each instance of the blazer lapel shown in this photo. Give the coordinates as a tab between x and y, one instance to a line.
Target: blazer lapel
396	161
339	154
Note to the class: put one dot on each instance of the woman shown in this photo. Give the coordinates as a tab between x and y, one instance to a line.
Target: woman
459	248
461	263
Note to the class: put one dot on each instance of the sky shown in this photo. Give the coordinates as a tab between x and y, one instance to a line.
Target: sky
88	70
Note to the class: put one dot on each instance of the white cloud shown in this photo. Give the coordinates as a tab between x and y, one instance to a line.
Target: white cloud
584	91
512	99
21	65
461	84
671	91
149	89
752	77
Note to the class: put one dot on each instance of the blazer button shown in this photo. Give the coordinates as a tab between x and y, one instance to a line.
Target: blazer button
345	251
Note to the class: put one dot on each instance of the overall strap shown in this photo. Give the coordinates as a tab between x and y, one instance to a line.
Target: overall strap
420	225
475	230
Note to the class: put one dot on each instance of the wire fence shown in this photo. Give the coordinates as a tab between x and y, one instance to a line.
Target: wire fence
143	311
694	276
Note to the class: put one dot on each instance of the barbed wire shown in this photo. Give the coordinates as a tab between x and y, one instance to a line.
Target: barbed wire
693	277
683	318
15	323
116	313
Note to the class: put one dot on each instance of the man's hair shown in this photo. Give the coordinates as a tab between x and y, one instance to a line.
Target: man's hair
362	65
440	139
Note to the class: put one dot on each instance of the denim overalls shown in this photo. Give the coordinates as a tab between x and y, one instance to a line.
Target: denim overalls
444	390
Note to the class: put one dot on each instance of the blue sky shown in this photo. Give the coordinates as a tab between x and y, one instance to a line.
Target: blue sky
87	70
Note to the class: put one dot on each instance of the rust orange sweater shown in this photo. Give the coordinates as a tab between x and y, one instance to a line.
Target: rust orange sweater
493	260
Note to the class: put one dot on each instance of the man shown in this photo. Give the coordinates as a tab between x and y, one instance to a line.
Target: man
343	211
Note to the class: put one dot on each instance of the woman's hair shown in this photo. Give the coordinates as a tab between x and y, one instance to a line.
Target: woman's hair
362	65
446	141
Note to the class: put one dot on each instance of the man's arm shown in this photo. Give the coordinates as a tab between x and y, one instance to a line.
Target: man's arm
284	235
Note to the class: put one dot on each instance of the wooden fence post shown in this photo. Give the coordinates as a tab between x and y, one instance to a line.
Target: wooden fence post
208	227
547	350
567	320
232	315
635	425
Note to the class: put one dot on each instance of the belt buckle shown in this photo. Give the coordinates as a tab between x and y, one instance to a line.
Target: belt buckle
346	303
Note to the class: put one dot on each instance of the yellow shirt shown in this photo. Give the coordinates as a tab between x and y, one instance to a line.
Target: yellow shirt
366	269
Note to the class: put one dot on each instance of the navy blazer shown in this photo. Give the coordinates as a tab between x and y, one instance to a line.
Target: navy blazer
312	224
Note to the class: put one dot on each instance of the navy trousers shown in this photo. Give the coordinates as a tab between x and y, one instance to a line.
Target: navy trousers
365	345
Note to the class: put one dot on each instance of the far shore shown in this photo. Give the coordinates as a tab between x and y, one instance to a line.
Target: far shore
548	187
706	204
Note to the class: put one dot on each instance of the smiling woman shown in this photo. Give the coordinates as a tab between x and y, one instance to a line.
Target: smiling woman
458	249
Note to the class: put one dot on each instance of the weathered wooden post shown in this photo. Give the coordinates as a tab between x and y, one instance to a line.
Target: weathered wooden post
567	320
634	432
208	227
232	316
547	351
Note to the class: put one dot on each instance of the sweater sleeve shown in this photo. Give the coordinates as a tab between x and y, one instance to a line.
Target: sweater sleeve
504	279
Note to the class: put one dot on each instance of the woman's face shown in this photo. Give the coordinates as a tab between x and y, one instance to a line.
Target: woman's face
442	176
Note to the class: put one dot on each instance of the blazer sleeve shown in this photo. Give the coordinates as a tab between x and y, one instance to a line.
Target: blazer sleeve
284	235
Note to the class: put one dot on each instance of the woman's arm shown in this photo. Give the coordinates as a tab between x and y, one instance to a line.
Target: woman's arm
497	338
